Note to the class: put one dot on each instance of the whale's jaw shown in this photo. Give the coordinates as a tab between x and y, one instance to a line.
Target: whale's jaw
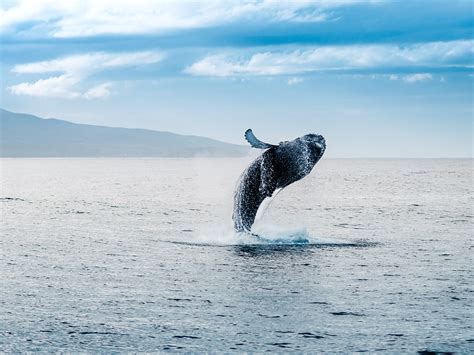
316	145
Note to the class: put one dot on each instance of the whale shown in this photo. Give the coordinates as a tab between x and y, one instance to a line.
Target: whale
278	166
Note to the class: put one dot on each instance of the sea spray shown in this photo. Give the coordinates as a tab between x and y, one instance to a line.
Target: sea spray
264	234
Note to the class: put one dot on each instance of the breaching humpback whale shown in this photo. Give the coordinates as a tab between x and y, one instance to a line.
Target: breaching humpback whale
277	167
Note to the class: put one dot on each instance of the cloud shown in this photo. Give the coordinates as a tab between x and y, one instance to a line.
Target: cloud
413	78
409	78
98	92
57	86
90	62
295	80
78	18
325	58
75	69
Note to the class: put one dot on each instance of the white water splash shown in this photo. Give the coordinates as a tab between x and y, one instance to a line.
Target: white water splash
265	204
261	235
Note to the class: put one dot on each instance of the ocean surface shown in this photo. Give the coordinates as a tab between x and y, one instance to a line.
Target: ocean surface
139	255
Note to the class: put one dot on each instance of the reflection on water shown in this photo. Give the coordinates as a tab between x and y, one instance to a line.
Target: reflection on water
273	250
255	250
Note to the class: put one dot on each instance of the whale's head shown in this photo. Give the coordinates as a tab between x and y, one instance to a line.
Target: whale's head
316	145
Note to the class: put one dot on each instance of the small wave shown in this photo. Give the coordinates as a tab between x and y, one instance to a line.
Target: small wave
260	236
11	199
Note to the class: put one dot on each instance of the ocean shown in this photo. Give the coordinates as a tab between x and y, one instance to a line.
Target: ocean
108	255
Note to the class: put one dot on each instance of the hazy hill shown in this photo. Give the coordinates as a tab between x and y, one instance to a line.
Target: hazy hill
25	135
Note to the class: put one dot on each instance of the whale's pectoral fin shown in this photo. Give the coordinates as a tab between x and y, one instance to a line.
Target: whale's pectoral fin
267	173
255	142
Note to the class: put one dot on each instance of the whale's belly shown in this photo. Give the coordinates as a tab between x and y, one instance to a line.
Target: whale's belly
248	197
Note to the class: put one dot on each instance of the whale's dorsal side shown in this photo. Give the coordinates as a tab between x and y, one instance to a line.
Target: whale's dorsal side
255	142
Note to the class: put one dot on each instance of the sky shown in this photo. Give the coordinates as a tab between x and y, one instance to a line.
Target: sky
376	78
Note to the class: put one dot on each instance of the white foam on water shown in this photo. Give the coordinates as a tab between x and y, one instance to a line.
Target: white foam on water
261	235
271	234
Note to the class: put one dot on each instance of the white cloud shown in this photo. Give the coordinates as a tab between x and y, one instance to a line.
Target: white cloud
57	86
414	78
74	18
434	54
90	62
75	69
98	92
295	80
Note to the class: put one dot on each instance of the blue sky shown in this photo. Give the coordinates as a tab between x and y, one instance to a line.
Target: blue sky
376	78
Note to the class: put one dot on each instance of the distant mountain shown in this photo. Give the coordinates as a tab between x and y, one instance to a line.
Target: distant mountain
25	135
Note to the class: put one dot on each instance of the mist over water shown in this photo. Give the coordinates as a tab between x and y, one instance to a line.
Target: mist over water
140	255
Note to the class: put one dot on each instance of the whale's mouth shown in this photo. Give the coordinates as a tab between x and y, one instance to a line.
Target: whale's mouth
321	143
322	148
